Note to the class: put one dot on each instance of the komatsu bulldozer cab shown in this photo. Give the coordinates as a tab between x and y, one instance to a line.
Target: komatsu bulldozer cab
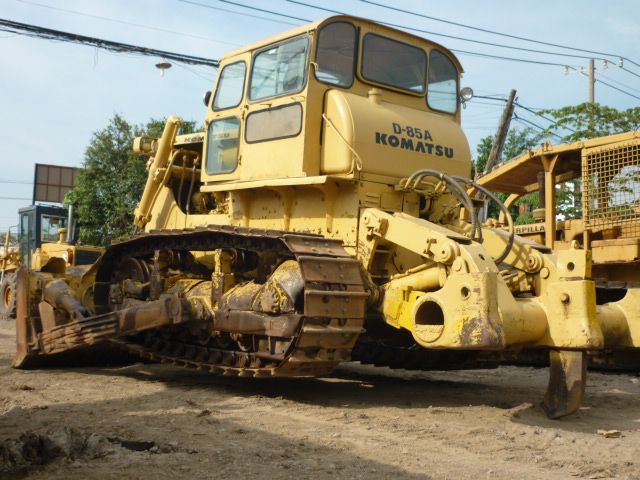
342	97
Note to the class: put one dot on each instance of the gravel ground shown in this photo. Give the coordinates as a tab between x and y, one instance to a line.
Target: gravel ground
147	421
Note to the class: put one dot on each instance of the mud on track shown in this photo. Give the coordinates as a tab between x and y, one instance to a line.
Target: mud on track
151	421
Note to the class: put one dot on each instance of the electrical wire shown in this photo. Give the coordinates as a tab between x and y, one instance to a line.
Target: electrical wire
464	39
50	34
464	52
616	88
549	119
125	22
197	74
617	82
511	59
493	32
529	122
528	109
629	71
606	83
284	15
243	14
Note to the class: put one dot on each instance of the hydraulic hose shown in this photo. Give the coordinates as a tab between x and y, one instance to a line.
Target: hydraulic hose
505	210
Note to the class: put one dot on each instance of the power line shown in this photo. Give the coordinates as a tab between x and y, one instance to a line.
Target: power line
607	84
486	55
617	82
125	22
493	32
548	119
243	14
50	34
197	74
284	15
629	71
15	198
511	59
528	109
616	88
529	122
464	39
20	182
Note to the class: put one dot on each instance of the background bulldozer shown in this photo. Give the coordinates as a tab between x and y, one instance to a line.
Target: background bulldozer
323	216
44	234
603	174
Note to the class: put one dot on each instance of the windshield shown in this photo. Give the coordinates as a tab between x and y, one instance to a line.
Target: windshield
50	227
443	83
394	63
336	54
279	70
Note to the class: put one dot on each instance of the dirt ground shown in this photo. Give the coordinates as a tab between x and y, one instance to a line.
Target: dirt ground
147	421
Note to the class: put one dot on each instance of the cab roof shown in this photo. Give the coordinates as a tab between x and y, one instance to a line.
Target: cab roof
357	21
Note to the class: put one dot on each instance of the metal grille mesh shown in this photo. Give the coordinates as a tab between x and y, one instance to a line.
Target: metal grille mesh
611	189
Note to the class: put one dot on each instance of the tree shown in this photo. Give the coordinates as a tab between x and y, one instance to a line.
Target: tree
591	120
111	182
517	141
582	122
482	155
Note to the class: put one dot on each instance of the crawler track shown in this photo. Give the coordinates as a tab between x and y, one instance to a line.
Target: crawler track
330	320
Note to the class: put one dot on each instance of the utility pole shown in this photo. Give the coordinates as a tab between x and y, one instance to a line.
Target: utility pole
501	134
592	81
586	236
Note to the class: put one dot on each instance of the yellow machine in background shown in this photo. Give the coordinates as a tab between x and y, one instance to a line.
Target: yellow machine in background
607	197
323	216
42	236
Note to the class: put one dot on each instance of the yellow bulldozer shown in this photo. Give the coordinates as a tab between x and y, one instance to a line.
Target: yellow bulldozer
324	216
44	233
602	176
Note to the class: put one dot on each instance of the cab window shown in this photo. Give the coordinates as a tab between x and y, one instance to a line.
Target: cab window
336	54
222	145
279	69
442	92
50	228
393	63
230	86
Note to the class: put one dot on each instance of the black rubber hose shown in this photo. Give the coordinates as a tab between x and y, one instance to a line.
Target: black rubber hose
502	207
457	191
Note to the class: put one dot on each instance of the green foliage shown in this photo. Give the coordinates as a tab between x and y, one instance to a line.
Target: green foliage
517	141
482	155
520	140
569	200
111	182
591	120
13	239
524	219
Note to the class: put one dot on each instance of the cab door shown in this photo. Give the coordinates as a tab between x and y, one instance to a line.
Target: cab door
276	98
224	122
27	237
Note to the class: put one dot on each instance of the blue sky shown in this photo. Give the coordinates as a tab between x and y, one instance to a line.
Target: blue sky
54	95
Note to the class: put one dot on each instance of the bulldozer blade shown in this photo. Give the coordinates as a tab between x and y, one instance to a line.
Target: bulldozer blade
567	379
22	317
